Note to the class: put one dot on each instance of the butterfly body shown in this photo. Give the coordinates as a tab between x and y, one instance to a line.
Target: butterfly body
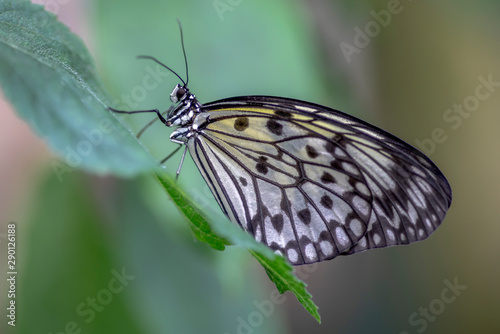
310	182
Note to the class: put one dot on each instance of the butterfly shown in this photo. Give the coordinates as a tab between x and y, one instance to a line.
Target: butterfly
308	181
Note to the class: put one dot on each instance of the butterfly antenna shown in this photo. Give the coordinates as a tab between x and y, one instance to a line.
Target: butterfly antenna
160	63
184	51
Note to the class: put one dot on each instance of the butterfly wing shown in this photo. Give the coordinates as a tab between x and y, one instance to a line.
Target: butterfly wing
313	183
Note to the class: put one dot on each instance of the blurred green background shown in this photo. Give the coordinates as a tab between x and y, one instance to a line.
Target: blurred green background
77	236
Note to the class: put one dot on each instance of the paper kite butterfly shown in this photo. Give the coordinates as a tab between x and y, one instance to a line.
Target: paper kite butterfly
306	180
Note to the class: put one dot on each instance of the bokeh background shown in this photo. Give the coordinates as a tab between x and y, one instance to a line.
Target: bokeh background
76	236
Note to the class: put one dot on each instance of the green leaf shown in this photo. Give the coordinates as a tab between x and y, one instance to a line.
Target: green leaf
198	223
49	77
218	233
280	272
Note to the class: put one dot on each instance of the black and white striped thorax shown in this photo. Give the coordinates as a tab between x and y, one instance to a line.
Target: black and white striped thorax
183	114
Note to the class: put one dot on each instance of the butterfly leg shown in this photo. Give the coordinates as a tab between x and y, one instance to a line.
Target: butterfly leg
170	155
166	112
180	165
160	116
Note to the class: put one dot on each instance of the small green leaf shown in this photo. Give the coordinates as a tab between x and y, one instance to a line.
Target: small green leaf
49	77
280	273
218	233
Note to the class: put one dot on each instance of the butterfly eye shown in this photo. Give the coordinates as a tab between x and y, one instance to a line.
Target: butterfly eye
177	94
181	92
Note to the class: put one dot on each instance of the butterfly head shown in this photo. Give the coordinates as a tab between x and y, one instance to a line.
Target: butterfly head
186	108
178	93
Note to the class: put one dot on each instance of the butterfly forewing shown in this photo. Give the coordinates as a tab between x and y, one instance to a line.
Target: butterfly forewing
313	183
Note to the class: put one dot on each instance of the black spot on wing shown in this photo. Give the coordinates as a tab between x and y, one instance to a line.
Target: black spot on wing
327	178
241	123
283	113
338	138
305	216
262	166
243	181
311	152
277	222
336	164
274	127
330	148
327	202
